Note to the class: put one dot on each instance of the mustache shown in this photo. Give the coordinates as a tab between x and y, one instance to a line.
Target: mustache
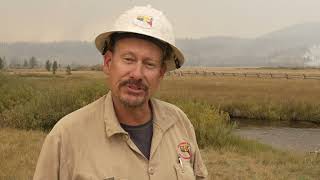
139	83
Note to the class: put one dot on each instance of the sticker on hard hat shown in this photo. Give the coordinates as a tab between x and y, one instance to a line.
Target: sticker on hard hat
143	21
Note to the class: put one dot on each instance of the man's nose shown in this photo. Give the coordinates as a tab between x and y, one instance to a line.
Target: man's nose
137	71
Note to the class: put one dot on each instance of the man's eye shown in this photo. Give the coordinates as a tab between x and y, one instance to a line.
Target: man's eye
128	60
150	65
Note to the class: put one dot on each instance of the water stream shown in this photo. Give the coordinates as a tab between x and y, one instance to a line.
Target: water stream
294	136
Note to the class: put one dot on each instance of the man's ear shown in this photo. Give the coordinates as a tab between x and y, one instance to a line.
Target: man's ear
107	62
163	70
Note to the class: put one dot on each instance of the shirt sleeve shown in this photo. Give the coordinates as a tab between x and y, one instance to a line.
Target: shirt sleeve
48	164
199	167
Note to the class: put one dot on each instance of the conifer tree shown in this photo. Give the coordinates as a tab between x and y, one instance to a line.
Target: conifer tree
48	65
68	70
1	63
54	67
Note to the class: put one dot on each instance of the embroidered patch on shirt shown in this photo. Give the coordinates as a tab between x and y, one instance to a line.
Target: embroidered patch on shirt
184	150
144	21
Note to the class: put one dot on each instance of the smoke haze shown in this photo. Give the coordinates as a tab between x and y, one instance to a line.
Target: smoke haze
59	20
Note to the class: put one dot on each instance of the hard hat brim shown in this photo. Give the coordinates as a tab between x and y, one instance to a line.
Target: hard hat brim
171	63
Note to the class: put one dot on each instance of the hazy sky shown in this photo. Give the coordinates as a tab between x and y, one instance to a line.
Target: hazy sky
56	20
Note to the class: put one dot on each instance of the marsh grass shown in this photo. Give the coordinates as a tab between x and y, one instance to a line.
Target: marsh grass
263	99
38	100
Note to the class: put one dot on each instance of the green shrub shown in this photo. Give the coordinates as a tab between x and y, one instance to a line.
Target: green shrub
38	102
212	126
13	92
46	108
271	111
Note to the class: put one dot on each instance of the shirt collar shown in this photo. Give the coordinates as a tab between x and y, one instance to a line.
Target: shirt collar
162	114
112	125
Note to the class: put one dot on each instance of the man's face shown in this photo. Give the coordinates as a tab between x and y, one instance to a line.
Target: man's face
135	70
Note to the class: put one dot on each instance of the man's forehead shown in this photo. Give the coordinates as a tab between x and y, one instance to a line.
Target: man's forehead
132	40
131	46
119	36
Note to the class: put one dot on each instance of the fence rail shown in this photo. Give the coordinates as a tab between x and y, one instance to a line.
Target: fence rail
244	74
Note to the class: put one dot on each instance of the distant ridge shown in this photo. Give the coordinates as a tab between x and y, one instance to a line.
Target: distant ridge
66	52
284	47
306	30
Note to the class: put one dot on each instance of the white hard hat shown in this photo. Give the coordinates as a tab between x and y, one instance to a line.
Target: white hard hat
147	21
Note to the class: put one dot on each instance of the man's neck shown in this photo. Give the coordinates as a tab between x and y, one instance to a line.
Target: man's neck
132	116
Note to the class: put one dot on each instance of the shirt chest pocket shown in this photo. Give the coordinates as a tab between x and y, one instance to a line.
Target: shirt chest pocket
84	176
184	172
114	178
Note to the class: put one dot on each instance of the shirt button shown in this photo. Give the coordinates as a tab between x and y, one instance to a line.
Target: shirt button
151	170
125	137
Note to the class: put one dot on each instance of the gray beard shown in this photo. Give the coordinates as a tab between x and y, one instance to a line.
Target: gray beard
135	104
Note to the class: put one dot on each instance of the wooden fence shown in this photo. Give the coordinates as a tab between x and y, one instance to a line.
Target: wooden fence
244	74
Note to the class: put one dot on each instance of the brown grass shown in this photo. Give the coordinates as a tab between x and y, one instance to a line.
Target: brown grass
226	164
219	89
19	151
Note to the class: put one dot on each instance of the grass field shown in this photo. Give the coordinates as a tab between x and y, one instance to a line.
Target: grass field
32	102
255	70
250	98
20	148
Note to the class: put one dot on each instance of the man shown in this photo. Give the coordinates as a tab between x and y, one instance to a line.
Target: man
126	134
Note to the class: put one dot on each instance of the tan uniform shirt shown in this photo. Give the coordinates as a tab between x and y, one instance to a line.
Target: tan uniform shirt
90	144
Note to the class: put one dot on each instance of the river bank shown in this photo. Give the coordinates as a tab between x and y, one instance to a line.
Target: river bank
300	136
305	140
